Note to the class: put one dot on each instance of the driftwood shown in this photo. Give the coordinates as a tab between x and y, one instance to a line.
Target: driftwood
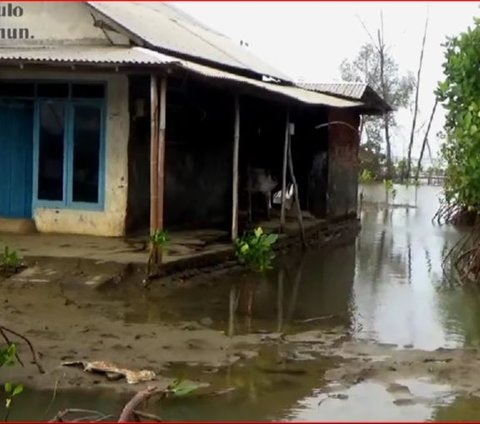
4	330
87	414
130	409
147	416
130	413
112	371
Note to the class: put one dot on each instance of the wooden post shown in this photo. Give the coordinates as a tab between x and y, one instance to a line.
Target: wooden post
284	171
153	154
161	152
297	197
236	148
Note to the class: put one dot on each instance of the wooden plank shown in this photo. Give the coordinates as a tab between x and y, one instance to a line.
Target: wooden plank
153	154
161	152
236	148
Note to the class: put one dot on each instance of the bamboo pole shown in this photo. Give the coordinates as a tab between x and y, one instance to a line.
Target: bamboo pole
284	171
295	190
153	154
236	148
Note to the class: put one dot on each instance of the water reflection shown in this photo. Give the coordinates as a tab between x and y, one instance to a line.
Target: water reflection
400	293
373	401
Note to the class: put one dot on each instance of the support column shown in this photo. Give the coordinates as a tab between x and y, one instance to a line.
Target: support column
153	154
236	148
161	152
284	171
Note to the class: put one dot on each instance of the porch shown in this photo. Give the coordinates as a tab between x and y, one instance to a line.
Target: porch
187	249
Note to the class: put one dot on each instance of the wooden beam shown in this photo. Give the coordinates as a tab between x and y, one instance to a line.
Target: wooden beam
284	171
153	154
161	152
236	148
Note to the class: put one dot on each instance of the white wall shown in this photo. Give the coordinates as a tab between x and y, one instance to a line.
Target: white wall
110	221
51	23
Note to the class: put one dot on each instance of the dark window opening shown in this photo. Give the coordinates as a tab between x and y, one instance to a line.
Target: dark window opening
53	90
17	89
86	153
51	151
88	91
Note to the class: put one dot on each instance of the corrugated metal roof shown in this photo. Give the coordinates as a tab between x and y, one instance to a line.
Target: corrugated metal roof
86	54
373	102
351	90
142	56
292	92
166	28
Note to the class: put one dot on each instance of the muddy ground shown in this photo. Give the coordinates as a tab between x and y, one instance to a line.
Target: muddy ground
62	309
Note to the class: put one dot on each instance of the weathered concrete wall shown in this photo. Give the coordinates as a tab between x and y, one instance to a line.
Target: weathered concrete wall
110	221
26	23
343	163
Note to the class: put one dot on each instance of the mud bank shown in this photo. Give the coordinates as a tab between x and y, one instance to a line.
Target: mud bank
69	322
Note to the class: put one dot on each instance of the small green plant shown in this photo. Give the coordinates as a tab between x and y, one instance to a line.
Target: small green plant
10	260
160	238
7	355
389	190
367	177
255	250
8	358
158	242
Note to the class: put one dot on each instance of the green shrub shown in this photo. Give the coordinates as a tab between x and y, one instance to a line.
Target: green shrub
255	250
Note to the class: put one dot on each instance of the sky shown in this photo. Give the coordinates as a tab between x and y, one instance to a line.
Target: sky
309	40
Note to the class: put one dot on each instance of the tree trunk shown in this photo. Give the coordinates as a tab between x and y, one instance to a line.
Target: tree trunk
415	108
386	124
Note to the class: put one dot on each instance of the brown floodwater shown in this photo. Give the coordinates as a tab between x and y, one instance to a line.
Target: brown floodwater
387	288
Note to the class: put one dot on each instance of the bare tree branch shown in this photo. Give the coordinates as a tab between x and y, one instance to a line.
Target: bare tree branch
425	140
415	109
36	361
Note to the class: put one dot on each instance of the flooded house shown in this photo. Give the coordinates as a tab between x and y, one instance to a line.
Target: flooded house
122	118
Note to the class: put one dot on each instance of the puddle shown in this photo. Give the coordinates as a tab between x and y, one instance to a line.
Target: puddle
388	287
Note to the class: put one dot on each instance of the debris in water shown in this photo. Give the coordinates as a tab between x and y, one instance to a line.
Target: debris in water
112	371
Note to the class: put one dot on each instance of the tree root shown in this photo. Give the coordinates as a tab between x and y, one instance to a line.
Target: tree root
464	257
449	213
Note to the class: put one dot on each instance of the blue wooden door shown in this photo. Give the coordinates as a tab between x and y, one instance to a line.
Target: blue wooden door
16	149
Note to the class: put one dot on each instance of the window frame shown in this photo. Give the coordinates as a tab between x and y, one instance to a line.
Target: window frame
68	149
